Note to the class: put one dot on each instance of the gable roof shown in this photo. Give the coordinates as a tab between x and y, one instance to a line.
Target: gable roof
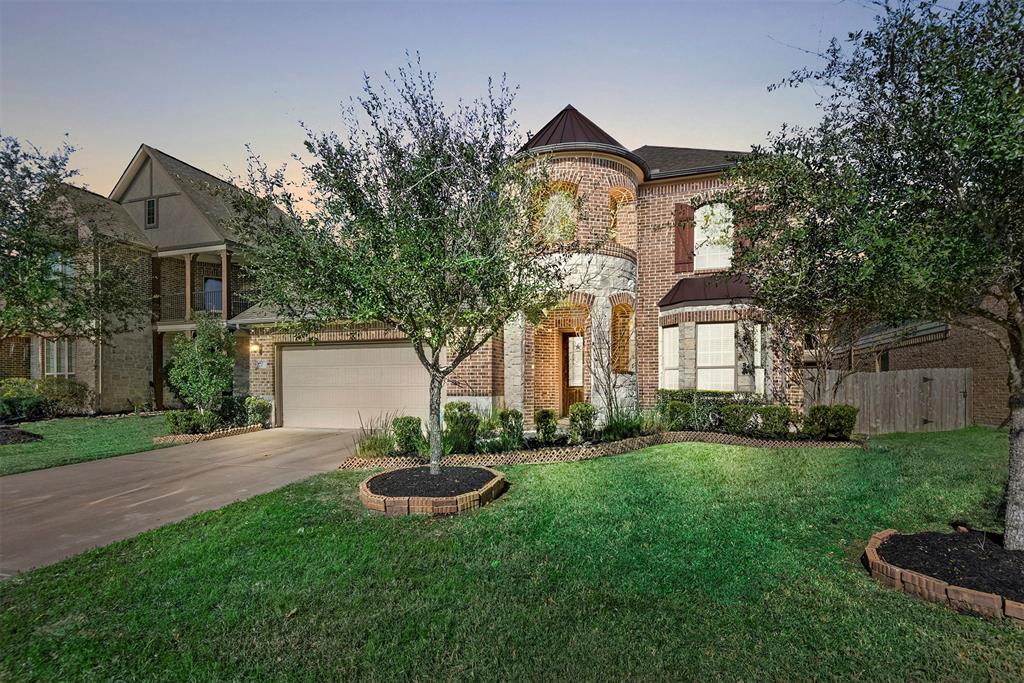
665	162
108	217
208	193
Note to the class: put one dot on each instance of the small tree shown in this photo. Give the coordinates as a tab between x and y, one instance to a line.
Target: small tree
422	218
201	367
61	275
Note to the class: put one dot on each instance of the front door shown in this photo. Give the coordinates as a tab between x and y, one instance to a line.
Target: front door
572	370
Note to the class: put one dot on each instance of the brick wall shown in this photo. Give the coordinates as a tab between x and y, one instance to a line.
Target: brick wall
14	357
655	267
598	179
960	348
127	361
482	374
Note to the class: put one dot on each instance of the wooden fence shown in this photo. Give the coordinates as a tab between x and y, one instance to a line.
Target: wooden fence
930	400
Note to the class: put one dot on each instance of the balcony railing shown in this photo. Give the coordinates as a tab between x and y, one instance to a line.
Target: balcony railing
172	306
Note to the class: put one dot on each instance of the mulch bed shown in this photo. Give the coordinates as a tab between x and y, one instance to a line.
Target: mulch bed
418	481
972	559
12	435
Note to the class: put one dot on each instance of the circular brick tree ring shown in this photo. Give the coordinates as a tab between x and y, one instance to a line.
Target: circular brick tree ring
929	588
394	506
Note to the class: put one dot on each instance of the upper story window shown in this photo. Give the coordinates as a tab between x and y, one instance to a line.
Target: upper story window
559	220
151	213
712	237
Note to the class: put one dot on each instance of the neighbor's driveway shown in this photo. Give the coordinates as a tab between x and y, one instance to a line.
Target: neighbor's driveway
47	515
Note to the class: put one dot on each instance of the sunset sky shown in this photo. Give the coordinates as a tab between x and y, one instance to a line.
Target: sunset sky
199	80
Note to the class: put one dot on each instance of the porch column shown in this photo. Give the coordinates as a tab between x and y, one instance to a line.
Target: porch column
189	260
225	284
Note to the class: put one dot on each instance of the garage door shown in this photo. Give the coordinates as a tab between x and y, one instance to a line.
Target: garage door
336	386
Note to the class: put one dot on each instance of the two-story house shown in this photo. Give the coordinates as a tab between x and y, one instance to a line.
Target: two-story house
650	304
174	215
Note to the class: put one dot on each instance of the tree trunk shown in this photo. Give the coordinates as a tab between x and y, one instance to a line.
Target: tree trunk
1014	535
434	422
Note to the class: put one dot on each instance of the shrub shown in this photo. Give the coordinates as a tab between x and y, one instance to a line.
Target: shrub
623	425
679	415
192	422
233	411
581	422
376	438
460	426
830	422
20	399
408	432
257	410
546	422
202	366
62	395
652	422
767	422
511	429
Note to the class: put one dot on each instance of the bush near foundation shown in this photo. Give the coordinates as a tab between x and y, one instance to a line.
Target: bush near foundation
581	422
835	422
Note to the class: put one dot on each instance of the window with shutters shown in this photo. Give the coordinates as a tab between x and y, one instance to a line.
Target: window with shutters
716	356
712	237
668	358
683	238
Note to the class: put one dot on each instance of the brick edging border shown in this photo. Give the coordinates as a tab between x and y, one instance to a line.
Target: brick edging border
180	439
925	587
396	506
588	451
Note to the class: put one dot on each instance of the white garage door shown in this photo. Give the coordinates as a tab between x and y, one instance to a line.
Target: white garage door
336	386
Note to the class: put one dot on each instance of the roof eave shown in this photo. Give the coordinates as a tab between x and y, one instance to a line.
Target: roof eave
588	147
684	172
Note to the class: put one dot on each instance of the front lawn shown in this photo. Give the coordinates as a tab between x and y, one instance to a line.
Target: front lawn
682	561
77	439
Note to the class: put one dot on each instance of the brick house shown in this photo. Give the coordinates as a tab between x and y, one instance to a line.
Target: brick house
171	216
650	310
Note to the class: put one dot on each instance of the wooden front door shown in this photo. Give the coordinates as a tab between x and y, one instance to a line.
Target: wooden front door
572	370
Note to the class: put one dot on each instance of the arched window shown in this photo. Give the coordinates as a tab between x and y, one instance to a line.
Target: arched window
712	237
558	214
618	198
622	338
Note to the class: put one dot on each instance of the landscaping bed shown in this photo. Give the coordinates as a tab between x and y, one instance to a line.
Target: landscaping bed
930	558
13	435
415	491
589	451
972	559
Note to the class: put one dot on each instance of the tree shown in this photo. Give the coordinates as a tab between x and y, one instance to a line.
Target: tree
925	114
421	218
61	273
202	366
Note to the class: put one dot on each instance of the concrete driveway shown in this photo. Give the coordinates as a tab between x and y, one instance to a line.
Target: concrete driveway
51	514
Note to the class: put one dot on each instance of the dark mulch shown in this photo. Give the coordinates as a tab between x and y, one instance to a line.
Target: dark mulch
970	559
12	435
418	481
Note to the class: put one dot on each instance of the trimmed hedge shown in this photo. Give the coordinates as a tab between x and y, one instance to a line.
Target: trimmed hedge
460	427
766	422
408	434
835	422
192	422
581	422
546	421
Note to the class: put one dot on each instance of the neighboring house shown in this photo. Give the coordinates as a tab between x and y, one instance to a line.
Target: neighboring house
932	345
173	215
651	296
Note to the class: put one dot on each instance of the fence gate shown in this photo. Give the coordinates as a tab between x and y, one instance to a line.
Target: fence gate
930	400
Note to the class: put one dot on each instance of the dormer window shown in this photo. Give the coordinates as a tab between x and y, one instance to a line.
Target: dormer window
150	213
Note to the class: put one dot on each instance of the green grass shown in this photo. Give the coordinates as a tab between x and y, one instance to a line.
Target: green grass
77	439
678	562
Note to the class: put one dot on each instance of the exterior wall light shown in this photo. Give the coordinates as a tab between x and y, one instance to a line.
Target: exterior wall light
255	348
